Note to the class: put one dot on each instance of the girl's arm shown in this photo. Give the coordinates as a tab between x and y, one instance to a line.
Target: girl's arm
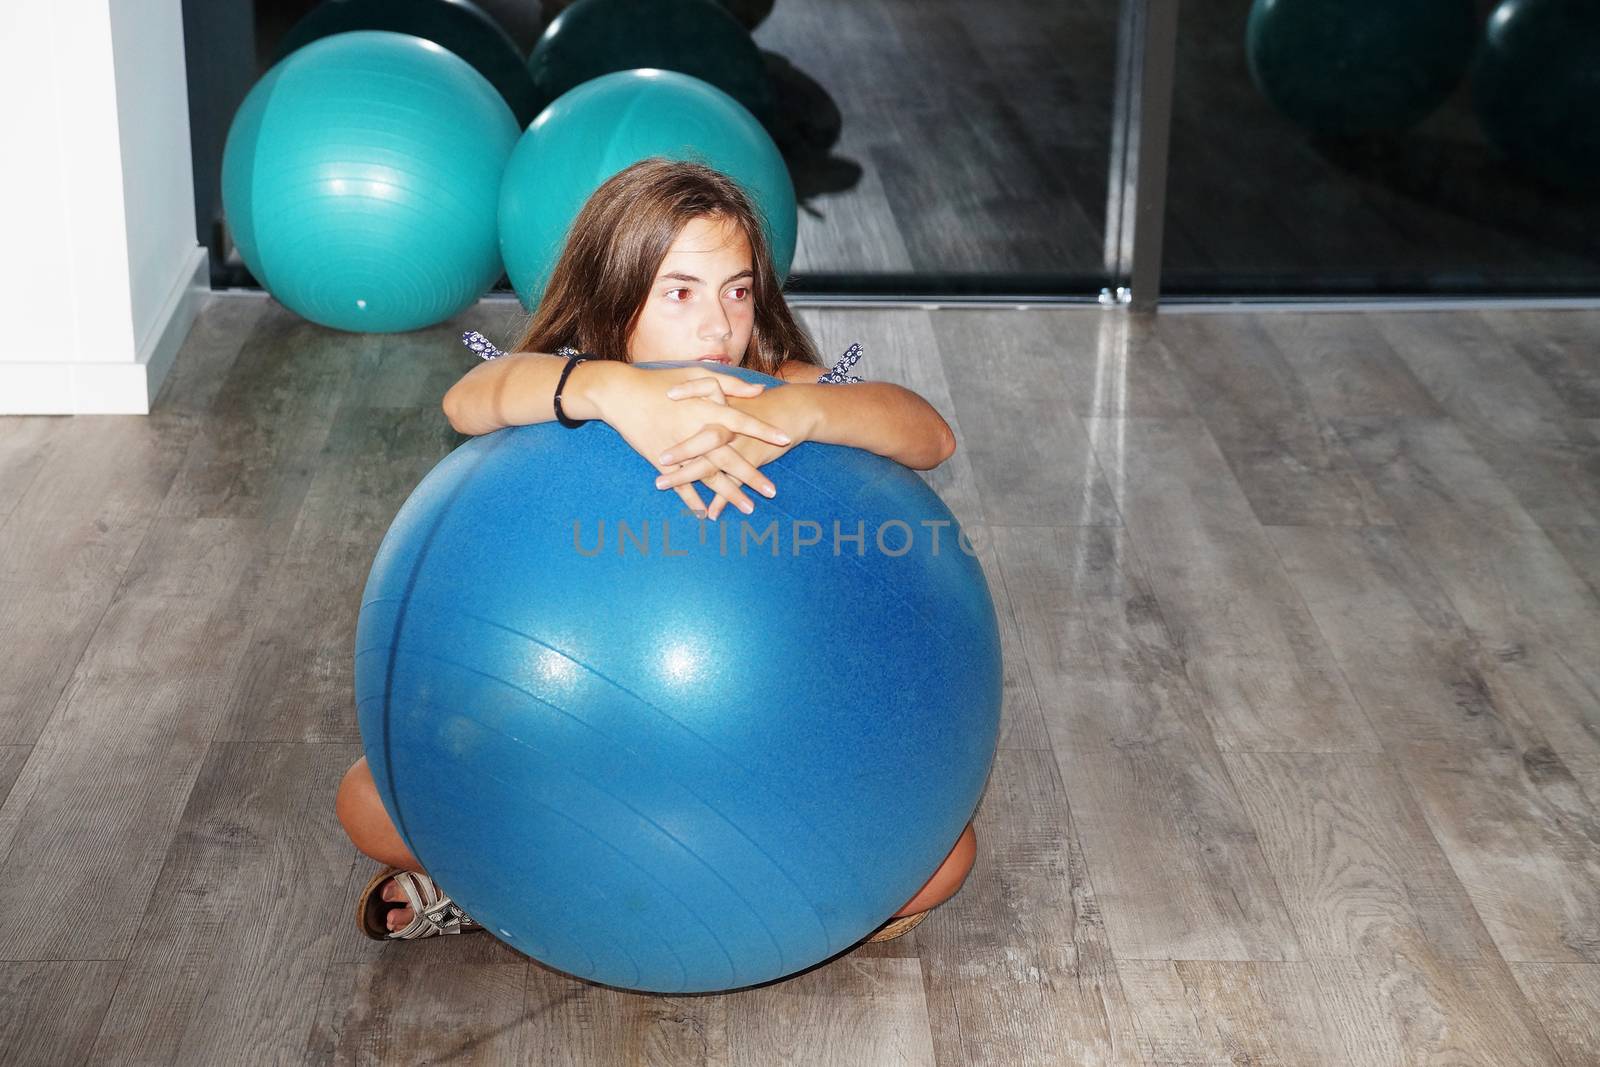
517	388
881	417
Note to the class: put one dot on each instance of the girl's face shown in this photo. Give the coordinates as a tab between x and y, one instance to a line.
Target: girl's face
700	304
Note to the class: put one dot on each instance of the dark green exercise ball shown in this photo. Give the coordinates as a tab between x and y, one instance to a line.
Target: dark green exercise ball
750	13
457	26
523	19
1343	68
1536	87
694	37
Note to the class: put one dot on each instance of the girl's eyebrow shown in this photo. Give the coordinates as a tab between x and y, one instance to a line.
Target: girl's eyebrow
680	276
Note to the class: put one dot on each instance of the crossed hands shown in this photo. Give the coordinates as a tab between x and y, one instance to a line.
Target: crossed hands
690	433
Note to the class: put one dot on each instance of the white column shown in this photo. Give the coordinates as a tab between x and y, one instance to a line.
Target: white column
100	272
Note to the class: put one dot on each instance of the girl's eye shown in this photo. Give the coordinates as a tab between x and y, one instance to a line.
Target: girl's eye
671	291
742	289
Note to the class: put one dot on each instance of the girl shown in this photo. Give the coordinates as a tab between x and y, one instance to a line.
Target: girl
666	261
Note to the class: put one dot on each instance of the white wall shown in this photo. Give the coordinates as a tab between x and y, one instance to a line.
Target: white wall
100	273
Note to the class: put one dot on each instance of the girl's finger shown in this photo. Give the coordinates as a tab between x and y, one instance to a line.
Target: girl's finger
738	386
692	499
727	487
686	473
708	388
746	423
732	463
726	483
711	435
715	387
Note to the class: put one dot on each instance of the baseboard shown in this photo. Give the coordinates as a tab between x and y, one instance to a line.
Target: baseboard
112	388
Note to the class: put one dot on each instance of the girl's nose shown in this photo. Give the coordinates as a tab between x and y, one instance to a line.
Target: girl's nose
716	328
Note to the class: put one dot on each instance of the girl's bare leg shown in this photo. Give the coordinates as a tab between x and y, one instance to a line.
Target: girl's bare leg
365	819
948	878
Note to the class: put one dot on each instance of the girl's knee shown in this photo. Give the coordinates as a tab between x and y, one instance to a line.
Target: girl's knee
361	812
948	878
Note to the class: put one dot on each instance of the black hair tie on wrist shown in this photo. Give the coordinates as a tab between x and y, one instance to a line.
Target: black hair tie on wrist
573	359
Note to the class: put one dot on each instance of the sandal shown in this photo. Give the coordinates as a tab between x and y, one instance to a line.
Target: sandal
433	912
897	926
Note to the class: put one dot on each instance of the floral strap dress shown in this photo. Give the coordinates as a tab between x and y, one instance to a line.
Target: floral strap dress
837	376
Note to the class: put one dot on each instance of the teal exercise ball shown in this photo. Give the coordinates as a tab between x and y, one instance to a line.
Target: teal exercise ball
1536	88
460	26
361	181
695	37
610	123
1344	68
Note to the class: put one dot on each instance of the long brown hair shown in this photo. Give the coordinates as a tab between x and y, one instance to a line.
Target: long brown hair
616	245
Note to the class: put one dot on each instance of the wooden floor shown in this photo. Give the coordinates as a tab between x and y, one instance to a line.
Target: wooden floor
1301	749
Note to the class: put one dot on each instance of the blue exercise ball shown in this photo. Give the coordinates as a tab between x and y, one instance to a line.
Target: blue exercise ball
667	757
1344	68
361	181
1536	87
695	37
608	124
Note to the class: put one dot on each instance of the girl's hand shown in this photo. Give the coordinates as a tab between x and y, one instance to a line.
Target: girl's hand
729	460
635	404
715	387
726	460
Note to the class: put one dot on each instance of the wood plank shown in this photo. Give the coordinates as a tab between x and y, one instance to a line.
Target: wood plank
1521	602
1521	835
423	1007
1095	643
856	1010
1118	363
90	505
1251	649
44	631
296	681
87	824
861	1011
26	442
1175	862
224	326
1359	1012
12	757
1136	757
1566	998
1560	346
1018	965
1580	546
53	1009
228	960
1345	365
1358	868
1030	454
1425	684
1287	461
1511	417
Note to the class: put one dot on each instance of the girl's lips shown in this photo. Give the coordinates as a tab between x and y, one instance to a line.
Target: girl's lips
715	359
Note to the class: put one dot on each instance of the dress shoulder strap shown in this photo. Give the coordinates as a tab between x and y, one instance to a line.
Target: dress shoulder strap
485	347
837	375
480	344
